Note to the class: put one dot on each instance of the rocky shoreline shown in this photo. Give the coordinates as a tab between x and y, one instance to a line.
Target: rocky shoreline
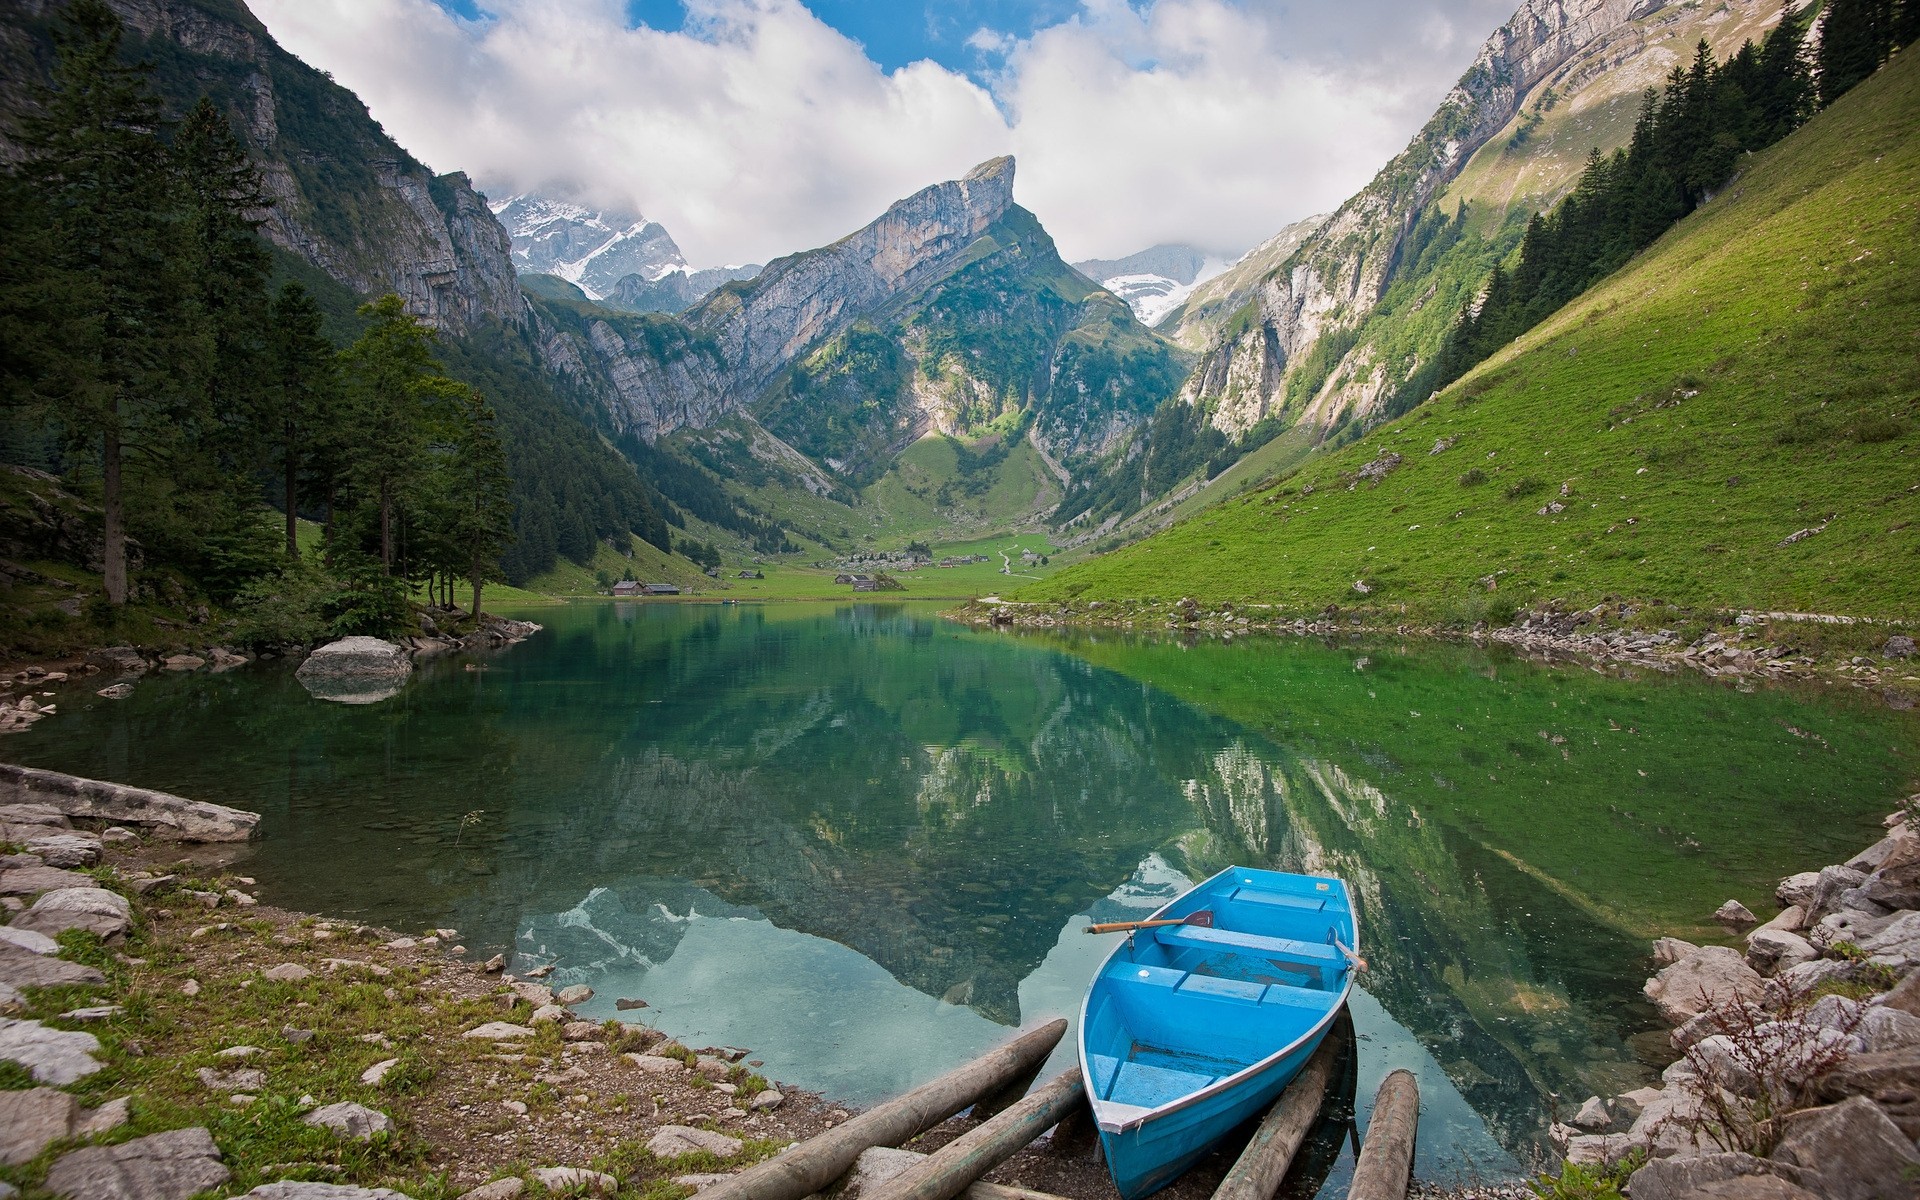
352	670
1750	645
1798	1068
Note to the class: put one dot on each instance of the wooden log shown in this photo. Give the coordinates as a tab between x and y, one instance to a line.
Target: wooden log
946	1172
1008	1094
975	1191
1258	1172
820	1160
1385	1166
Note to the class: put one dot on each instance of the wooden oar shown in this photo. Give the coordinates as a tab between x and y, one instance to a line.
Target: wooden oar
1358	962
1203	918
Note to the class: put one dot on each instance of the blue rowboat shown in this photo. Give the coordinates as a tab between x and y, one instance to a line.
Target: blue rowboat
1193	1027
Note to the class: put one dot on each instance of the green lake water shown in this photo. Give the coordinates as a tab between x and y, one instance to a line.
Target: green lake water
861	840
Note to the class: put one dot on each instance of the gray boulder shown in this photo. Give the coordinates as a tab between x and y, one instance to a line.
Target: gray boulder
1882	1028
66	849
1897	646
32	1120
163	1166
1850	1151
1890	1078
55	1056
1827	892
290	1189
28	940
350	1120
22	967
1673	1178
1798	890
1770	950
160	814
671	1141
1711	976
572	1179
1898	941
30	880
93	909
1734	913
356	657
1670	950
1751	1187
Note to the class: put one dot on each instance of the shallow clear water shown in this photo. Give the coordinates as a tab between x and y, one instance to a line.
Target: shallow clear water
861	840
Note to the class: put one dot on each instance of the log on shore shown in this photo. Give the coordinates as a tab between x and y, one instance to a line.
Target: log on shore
946	1172
879	1164
818	1161
1262	1166
1385	1166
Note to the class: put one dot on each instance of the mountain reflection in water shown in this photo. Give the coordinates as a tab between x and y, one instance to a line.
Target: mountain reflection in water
861	841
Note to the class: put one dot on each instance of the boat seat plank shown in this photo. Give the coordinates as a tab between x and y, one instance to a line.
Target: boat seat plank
1225	989
1196	936
1271	899
1141	976
1151	1086
1279	995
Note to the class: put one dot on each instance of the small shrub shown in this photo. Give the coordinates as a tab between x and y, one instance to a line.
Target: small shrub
1758	1066
1576	1182
1473	478
1869	430
1526	486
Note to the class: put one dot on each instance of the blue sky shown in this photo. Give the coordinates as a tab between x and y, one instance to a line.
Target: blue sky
893	32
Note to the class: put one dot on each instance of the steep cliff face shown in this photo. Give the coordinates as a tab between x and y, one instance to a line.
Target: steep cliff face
1336	276
798	300
349	199
1010	336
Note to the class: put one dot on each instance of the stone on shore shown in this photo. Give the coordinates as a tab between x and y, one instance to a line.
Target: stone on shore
66	849
286	973
1674	1178
27	880
93	909
56	1056
1710	976
1734	913
350	1120
699	1182
241	1079
27	939
1670	950
499	1189
1773	950
569	1179
671	1141
162	815
32	1120
1593	1115
499	1031
162	1166
656	1064
355	670
1890	1078
579	993
1905	996
376	1074
1796	891
294	1189
1791	919
1849	1151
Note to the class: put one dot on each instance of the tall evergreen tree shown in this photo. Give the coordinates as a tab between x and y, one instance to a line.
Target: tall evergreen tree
398	390
100	176
1855	37
481	524
303	394
224	200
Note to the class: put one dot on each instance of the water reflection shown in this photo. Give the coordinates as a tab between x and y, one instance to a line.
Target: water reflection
861	841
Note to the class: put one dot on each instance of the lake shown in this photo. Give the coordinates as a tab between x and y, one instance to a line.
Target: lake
862	840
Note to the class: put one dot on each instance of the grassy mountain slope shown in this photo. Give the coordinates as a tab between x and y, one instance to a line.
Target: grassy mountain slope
1752	375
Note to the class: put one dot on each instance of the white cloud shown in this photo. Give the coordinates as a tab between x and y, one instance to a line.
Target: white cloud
759	130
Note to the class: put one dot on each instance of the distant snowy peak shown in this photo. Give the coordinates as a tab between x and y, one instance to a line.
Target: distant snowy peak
592	248
1156	280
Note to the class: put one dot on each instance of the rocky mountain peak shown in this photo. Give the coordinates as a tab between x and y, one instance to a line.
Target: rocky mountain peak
804	297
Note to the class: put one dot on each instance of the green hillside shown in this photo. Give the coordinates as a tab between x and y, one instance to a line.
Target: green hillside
1752	376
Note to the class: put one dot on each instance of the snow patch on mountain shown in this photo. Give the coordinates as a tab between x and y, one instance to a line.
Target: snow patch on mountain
1154	281
593	249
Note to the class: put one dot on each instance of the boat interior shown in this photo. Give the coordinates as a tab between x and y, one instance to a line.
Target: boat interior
1184	1006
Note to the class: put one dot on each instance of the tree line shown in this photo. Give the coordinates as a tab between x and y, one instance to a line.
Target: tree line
143	341
1686	144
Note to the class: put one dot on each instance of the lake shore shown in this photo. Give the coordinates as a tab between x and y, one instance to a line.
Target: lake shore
1742	646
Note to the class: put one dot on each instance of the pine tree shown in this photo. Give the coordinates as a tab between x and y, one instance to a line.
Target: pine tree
1906	24
224	199
303	393
99	173
1855	37
482	512
398	389
1785	93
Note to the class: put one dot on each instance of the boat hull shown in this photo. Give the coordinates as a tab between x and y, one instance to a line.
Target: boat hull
1149	1156
1195	1026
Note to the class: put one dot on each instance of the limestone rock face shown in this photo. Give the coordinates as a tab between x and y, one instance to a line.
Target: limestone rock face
1674	1178
1770	950
357	658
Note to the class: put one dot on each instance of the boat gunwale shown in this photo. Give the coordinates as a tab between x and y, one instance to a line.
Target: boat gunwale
1225	1082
